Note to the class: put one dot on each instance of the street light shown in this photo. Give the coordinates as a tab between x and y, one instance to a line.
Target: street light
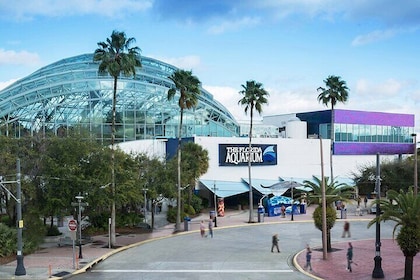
79	201
415	164
215	203
293	202
20	268
377	271
145	205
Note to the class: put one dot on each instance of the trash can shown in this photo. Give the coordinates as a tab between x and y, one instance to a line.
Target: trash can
187	223
260	214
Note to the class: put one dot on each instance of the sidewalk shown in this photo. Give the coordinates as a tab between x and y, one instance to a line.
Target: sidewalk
53	262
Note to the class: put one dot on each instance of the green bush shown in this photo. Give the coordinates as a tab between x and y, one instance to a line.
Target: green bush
197	203
33	232
189	210
171	214
100	220
53	231
128	219
8	240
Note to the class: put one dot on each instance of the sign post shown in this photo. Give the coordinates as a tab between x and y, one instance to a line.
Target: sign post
72	225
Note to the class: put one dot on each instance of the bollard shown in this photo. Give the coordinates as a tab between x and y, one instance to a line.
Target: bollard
49	271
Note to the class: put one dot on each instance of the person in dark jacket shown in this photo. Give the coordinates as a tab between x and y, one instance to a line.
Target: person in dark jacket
349	256
275	243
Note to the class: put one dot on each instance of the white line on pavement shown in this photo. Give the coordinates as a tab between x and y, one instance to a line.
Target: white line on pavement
193	271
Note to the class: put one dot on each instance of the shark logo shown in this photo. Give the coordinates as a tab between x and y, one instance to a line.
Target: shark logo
269	155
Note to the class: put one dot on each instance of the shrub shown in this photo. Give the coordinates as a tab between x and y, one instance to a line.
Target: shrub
8	240
53	231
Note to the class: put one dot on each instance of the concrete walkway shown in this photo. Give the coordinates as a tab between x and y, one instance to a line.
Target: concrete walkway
53	262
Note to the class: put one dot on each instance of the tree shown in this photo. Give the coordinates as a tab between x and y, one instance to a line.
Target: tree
116	57
188	87
335	91
404	209
195	162
395	175
254	97
334	192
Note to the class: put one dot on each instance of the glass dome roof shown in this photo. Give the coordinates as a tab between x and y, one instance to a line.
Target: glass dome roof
70	94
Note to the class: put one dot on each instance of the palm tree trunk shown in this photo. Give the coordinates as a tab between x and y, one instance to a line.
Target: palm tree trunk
408	268
178	199
332	143
114	101
251	203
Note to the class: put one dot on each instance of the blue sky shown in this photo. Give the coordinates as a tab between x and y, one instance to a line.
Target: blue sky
290	46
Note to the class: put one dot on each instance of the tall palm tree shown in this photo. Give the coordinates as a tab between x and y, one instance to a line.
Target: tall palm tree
116	57
254	97
336	91
404	209
334	192
188	86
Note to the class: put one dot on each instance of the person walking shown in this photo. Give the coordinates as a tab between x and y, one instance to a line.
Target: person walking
210	225
349	257
308	258
202	229
366	201
275	243
346	229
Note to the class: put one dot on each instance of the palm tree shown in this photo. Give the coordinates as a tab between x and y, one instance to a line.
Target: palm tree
116	56
335	91
404	209
334	192
189	90
254	97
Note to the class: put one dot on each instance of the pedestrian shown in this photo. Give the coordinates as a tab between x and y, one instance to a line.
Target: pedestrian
346	229
308	258
275	243
283	211
366	201
202	229
349	257
210	225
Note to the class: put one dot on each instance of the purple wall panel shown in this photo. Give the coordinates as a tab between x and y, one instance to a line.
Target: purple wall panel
373	118
341	148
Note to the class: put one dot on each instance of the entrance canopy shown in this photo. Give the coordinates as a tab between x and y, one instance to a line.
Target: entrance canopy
225	188
263	186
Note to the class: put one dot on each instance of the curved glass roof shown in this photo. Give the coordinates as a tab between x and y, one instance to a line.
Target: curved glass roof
70	94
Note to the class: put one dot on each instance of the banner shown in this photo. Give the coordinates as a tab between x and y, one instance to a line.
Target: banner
237	154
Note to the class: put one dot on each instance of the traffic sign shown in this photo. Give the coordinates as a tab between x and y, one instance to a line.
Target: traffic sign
72	225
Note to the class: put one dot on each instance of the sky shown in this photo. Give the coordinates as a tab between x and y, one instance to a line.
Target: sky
289	46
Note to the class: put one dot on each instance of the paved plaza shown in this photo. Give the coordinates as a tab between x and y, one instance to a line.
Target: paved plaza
239	250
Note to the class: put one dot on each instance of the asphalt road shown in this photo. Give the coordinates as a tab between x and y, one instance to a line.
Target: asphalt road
234	253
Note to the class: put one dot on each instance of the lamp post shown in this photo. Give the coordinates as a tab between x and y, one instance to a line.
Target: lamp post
377	271
324	204
145	204
79	201
415	164
293	202
20	268
215	203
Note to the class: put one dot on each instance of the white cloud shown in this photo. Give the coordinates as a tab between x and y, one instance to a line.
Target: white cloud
11	57
375	36
231	25
24	10
384	89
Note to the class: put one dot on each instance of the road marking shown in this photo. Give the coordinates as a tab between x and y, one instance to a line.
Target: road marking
193	271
